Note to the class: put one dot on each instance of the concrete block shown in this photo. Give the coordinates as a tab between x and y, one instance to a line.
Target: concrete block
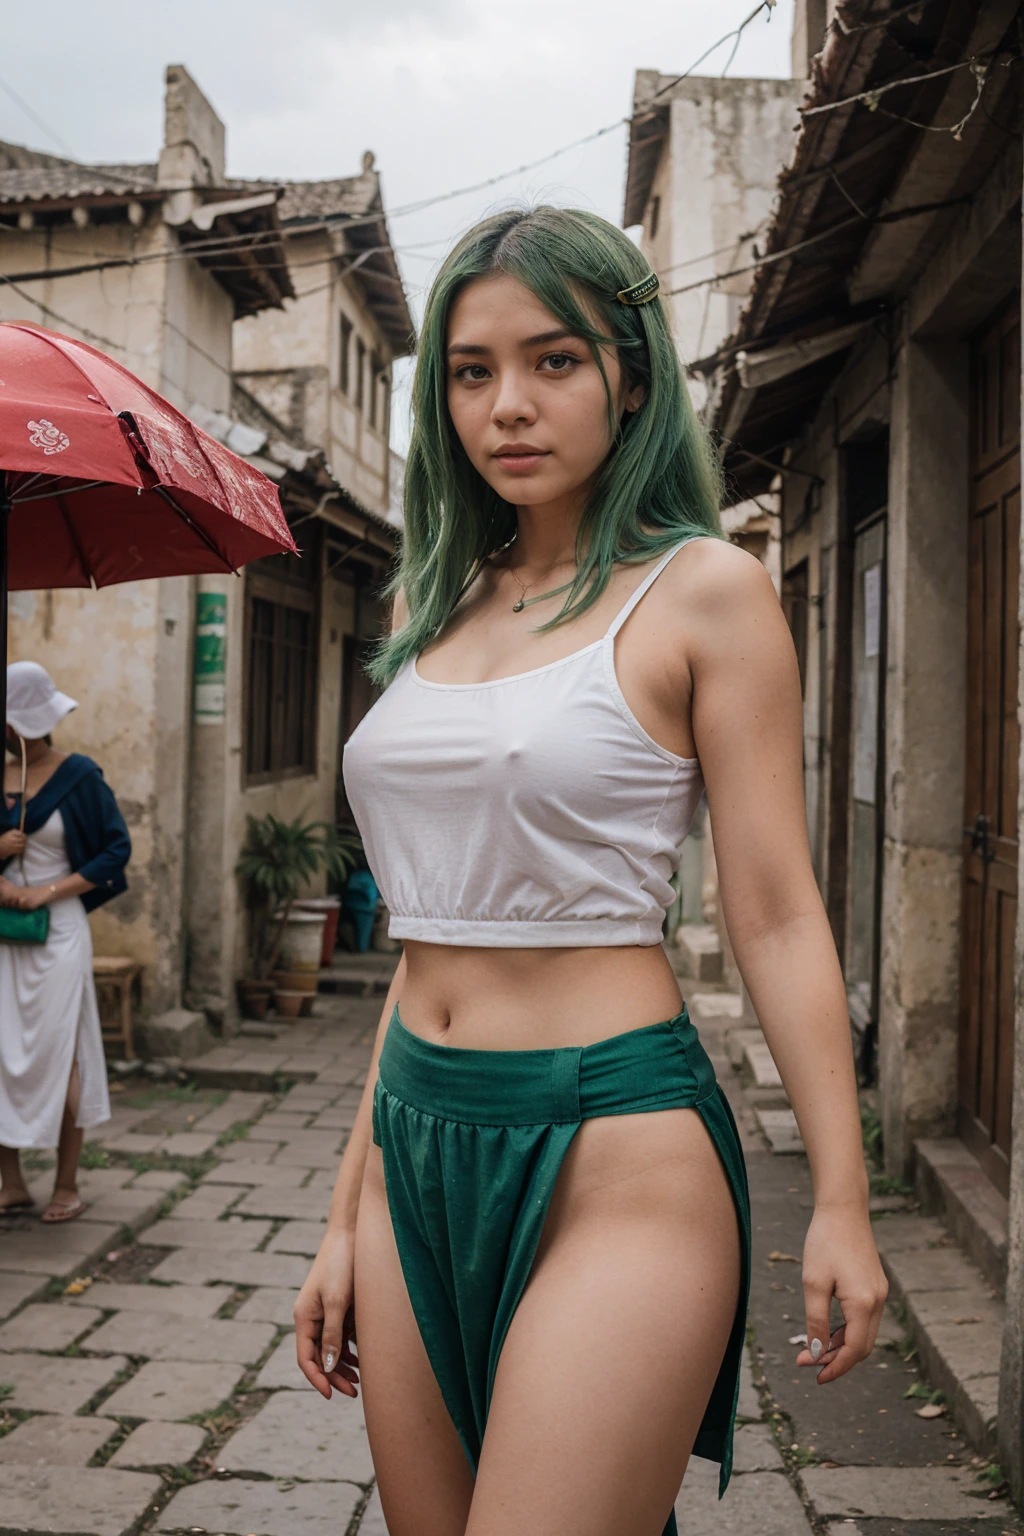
105	1502
53	1440
190	1301
233	1233
199	1265
256	1172
178	1032
47	1326
761	1066
58	1251
300	1435
894	1493
237	1508
14	1289
269	1304
159	1444
299	1237
282	1369
754	1449
700	951
736	1043
171	1389
159	1336
951	1184
303	1204
781	1129
45	1384
763	1502
714	1005
372	1523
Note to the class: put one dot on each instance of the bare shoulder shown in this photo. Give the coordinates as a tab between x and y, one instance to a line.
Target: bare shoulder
725	594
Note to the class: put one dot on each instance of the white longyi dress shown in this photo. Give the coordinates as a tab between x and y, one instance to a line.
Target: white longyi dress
48	1012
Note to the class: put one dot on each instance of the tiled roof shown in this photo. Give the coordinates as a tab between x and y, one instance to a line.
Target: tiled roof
37	183
349	196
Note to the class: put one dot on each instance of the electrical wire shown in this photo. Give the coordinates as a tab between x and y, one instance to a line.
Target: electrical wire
28	111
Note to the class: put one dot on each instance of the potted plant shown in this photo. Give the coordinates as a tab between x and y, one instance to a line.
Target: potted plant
277	859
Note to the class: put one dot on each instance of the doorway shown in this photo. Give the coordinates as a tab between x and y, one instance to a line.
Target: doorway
990	831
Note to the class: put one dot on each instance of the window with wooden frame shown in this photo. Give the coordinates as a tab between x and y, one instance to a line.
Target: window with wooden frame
344	354
360	379
374	387
282	636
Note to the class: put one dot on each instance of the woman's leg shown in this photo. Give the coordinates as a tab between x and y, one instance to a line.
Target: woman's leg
424	1478
616	1344
69	1150
13	1189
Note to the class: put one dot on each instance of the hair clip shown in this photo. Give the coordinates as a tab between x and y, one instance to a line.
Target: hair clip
640	293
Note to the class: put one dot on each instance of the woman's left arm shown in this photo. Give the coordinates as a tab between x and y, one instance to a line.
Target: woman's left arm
26	898
747	717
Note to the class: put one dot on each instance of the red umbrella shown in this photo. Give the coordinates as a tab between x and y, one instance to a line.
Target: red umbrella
103	481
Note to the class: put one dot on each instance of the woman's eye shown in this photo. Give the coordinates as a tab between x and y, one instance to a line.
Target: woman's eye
561	362
472	373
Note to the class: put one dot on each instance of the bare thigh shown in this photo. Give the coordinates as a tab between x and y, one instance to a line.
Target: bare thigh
424	1478
615	1346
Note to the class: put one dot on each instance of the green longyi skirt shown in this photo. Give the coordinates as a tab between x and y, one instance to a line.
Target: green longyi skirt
472	1143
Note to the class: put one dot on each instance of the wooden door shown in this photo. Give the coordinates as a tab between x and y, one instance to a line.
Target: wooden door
993	744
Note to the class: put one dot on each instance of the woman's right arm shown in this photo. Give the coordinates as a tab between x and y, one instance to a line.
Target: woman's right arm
323	1316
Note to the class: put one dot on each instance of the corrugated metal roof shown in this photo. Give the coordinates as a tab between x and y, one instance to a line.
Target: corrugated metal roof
846	167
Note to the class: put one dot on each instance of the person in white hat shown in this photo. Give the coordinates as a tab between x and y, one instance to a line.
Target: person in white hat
63	845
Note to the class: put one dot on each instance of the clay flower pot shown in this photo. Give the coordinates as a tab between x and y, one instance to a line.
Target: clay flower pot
295	981
254	998
287	1002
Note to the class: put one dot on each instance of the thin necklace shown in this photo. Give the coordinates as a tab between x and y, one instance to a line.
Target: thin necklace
524	601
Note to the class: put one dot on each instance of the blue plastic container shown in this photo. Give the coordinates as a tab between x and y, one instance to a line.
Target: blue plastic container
359	904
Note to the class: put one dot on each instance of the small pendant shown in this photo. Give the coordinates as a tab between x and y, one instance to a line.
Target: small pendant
517	607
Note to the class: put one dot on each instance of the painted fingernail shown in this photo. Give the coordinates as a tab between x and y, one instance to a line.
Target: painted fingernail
815	1348
329	1360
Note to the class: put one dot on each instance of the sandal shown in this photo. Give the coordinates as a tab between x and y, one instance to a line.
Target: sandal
14	1207
63	1210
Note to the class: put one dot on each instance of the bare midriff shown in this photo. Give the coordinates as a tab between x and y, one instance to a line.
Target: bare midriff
534	999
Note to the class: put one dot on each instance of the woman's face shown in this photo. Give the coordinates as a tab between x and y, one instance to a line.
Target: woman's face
526	395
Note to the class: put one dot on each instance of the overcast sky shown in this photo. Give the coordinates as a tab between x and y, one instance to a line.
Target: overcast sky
445	92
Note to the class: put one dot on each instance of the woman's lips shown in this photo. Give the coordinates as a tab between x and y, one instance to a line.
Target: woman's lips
519	463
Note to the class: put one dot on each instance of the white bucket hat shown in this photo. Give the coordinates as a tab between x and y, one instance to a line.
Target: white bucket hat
34	703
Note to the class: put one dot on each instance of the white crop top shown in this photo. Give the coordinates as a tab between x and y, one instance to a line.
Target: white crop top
531	810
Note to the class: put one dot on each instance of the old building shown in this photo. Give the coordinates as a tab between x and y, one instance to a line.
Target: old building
170	267
874	377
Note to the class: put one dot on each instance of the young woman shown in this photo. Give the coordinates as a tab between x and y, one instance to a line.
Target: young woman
69	858
540	1227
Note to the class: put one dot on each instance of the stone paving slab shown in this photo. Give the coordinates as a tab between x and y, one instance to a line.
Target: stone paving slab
156	1336
888	1527
781	1129
299	1237
43	1384
902	1493
170	1180
269	1304
236	1107
55	1440
249	1153
749	1404
131	1208
302	1204
189	1143
14	1289
106	1503
240	1508
200	1265
58	1251
754	1450
372	1523
242	1236
314	1145
260	1174
282	1369
207	1203
47	1327
764	1503
171	1390
277	1124
192	1301
159	1444
301	1435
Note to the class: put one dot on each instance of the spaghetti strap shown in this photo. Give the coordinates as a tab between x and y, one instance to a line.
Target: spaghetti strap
652	576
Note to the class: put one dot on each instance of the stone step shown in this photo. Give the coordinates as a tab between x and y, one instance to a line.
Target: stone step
952	1185
179	1032
952	1315
699	951
781	1129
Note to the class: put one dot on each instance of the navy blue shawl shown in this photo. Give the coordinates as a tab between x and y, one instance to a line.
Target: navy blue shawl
95	834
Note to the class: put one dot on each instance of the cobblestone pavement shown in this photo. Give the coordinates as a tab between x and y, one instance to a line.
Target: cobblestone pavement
147	1376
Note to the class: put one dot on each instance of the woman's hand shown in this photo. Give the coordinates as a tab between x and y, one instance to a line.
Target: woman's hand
10	894
12	843
24	898
325	1320
840	1259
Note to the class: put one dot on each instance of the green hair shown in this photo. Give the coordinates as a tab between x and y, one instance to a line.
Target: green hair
659	482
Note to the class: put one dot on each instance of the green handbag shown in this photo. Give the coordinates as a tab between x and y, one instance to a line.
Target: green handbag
24	927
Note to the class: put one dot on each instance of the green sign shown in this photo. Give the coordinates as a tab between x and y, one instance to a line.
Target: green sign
210	658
